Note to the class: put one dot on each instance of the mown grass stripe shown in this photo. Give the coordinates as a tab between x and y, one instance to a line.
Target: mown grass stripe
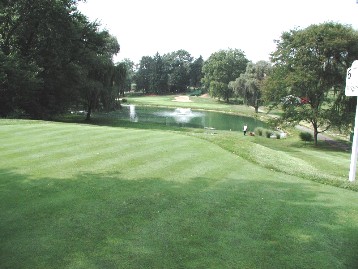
118	159
189	203
40	142
103	150
183	164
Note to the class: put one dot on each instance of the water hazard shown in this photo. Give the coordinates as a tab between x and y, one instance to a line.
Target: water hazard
185	117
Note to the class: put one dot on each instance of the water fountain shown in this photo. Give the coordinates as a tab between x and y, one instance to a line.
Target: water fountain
132	114
185	117
180	115
183	111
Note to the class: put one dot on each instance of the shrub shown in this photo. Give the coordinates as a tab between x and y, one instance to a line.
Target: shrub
306	136
259	131
268	133
195	92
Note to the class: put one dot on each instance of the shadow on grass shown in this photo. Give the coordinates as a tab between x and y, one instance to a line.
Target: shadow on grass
289	146
328	146
106	221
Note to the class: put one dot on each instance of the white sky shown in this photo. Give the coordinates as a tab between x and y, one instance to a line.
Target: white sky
202	27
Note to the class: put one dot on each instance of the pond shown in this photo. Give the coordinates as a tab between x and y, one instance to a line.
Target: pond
185	117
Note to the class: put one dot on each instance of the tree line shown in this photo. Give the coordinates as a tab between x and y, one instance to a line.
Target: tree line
305	77
53	59
226	74
171	73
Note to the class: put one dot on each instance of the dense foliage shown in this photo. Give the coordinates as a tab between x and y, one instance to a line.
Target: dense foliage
52	59
169	73
222	67
249	84
310	65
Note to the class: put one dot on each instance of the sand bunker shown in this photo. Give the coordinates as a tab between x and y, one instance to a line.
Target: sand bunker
182	98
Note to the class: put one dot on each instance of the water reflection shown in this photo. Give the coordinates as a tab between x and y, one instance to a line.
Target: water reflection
184	117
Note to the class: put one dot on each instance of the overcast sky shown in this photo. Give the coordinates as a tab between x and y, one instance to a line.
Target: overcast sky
201	27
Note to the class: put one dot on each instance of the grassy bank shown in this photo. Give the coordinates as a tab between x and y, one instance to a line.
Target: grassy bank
196	102
85	196
324	164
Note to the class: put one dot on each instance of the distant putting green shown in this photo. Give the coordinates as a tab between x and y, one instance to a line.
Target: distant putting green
83	196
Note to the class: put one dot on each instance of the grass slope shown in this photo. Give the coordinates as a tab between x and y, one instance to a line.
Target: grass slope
323	164
81	196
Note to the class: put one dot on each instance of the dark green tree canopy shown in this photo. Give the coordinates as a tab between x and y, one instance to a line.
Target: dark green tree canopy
195	73
178	63
171	73
49	53
221	68
311	64
249	84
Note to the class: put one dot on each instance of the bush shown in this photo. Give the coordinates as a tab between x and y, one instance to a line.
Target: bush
306	136
259	131
268	133
196	92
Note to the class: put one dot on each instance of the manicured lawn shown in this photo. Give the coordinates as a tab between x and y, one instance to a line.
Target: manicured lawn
291	156
85	196
196	103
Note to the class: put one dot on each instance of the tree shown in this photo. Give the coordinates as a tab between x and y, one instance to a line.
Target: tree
249	84
195	72
178	67
34	40
143	75
309	73
98	70
50	53
159	75
130	73
163	74
221	68
120	77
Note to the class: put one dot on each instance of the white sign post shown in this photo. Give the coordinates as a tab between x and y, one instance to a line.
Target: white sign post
352	90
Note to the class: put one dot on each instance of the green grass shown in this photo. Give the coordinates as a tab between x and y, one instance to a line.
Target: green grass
291	156
196	103
86	196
